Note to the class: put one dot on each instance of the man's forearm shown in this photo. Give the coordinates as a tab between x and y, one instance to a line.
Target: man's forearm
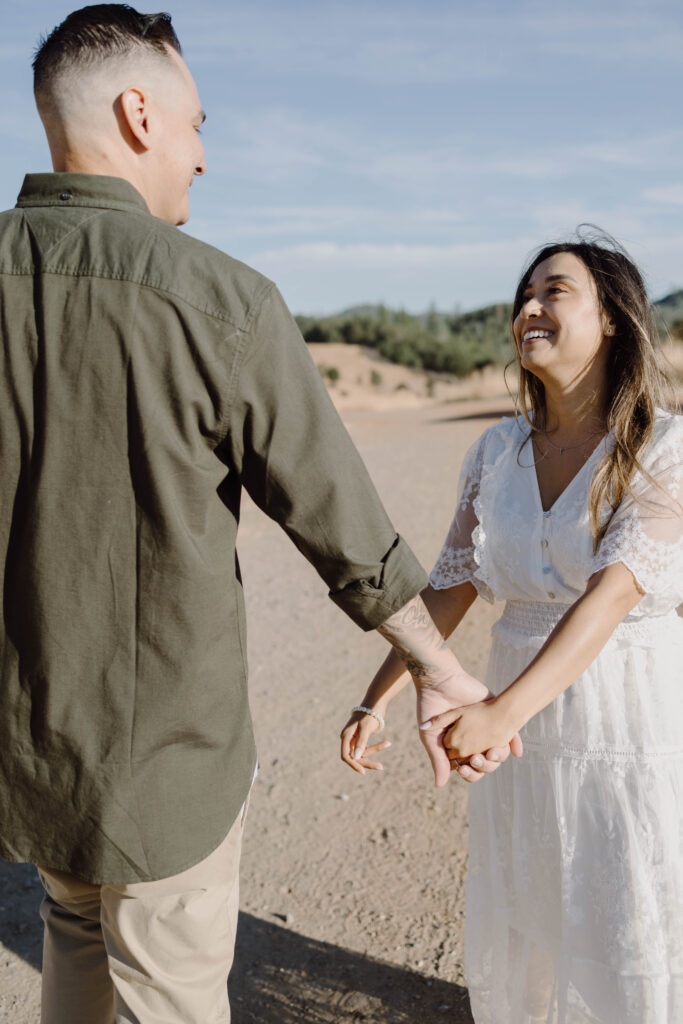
418	643
440	680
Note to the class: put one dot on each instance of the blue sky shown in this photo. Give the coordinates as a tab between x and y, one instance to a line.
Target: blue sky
405	152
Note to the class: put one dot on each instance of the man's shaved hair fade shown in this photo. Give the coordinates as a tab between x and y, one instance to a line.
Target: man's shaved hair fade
90	36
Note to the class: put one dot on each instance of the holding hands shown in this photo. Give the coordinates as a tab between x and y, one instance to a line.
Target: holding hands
360	755
416	633
467	730
435	708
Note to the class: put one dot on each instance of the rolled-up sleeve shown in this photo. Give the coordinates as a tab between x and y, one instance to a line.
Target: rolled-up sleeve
297	461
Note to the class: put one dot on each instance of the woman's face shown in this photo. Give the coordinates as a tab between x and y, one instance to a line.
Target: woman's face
560	328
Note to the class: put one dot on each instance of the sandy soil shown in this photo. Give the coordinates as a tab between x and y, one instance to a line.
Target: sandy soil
352	888
366	381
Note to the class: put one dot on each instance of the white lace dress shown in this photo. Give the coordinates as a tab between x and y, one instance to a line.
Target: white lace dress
575	887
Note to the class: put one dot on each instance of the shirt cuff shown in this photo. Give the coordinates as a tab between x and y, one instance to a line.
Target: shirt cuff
401	577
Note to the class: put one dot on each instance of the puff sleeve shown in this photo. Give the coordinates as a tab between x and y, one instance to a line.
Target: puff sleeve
646	532
457	561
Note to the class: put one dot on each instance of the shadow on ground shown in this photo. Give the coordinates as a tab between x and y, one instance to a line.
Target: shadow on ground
21	929
280	977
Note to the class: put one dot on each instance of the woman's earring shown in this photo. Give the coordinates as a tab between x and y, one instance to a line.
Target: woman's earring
609	330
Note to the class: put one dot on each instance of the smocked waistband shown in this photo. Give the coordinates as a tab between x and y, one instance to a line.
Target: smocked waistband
536	619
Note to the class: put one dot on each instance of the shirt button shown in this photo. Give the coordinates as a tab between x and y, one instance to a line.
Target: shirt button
546	515
65	195
546	568
544	543
551	595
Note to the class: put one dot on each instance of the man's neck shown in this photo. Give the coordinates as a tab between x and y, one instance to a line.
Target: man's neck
75	161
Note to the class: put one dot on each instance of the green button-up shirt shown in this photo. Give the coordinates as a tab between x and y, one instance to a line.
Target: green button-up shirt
146	379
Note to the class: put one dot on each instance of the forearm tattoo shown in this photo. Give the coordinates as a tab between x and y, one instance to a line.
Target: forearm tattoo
415	638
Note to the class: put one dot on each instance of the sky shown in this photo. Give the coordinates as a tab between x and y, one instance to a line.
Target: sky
412	153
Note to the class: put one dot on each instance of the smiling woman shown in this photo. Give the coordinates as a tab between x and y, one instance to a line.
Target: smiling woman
571	514
596	348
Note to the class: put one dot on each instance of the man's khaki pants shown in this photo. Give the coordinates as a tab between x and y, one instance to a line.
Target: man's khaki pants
148	953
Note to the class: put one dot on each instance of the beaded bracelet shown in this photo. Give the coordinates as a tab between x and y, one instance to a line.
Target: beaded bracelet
369	711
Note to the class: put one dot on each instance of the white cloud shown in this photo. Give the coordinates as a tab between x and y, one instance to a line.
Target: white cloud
612	33
429	43
394	43
369	257
12	52
19	119
297	221
671	195
280	145
274	144
326	277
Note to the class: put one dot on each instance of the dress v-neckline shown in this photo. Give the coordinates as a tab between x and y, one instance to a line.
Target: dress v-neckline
600	446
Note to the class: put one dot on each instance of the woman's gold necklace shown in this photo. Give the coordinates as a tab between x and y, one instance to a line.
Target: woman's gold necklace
570	447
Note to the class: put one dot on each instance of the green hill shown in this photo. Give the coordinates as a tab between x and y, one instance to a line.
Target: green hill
669	312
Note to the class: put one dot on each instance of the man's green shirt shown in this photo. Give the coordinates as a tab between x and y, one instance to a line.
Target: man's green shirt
146	379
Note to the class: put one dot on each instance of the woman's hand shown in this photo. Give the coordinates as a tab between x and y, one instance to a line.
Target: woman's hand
461	689
473	729
354	743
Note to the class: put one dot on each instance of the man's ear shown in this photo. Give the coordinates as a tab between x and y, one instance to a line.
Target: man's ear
133	110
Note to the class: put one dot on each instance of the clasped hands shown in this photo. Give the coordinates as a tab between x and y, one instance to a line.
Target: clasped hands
472	739
464	733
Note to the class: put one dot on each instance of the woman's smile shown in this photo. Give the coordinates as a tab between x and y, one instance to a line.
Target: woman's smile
532	334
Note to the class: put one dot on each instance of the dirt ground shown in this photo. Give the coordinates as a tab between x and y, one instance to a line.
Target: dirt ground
352	887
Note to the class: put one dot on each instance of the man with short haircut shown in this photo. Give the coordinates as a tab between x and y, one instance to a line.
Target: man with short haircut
146	379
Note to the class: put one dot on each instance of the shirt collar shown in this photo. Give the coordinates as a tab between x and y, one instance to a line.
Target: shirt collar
67	189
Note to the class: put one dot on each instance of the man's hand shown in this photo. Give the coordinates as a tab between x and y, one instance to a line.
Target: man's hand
440	681
465	730
435	707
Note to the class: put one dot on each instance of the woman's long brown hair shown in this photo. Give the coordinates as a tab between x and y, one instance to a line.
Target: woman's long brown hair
635	384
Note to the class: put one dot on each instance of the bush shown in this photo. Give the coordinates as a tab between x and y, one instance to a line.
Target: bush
677	329
454	344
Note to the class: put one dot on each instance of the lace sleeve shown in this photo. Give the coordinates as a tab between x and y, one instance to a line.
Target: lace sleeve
646	531
456	563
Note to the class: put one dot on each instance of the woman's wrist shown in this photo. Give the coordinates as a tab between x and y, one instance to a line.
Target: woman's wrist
511	707
370	713
378	704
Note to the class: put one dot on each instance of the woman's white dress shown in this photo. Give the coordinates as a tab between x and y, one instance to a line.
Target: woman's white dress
575	888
